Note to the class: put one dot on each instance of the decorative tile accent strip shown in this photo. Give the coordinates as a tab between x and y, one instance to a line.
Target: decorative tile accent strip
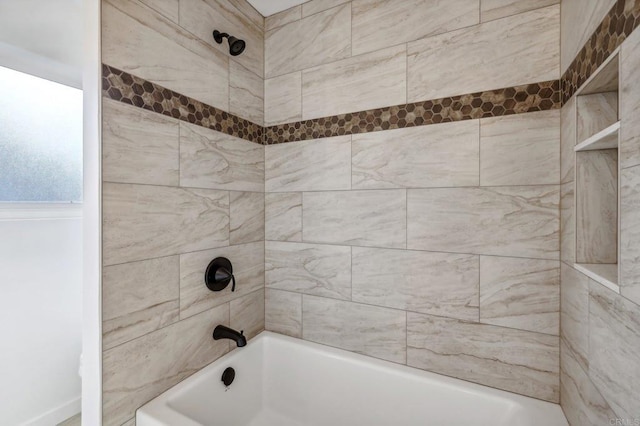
512	100
124	87
617	25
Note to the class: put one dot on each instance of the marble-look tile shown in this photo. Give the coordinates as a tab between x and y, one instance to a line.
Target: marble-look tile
363	82
283	312
168	8
283	216
630	233
248	269
138	371
249	11
596	112
568	141
283	99
496	9
319	270
520	293
521	221
247	217
314	6
137	40
441	155
142	221
614	349
138	298
381	23
441	284
574	315
529	53
581	400
630	101
504	358
201	17
138	146
567	222
597	206
246	93
318	39
283	18
73	421
520	149
247	313
313	165
367	218
210	159
130	422
368	330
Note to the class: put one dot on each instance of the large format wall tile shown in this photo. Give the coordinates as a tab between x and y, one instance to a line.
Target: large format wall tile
248	268
513	360
596	112
319	270
247	313
137	40
630	234
367	218
503	221
283	312
168	8
381	23
520	293
142	221
138	298
369	330
247	217
314	165
434	283
138	146
441	155
568	141
140	370
614	349
315	6
283	99
520	149
496	9
630	101
567	222
210	159
283	216
318	39
282	18
522	49
368	81
249	11
246	93
574	316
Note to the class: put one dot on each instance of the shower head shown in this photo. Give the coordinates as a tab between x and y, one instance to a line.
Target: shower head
236	46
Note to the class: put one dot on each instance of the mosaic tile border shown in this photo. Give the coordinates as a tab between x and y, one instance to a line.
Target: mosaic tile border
618	24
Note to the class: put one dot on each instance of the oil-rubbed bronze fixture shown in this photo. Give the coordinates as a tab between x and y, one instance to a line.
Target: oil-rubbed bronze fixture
218	275
236	45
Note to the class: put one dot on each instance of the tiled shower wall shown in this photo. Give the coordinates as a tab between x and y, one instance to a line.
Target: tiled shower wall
434	246
176	195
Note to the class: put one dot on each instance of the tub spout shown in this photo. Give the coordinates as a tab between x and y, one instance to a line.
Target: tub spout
222	332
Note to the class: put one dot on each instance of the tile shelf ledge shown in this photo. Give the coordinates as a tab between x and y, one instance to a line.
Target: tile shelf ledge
604	139
605	274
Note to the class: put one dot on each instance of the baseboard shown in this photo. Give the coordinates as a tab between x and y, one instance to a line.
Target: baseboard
57	415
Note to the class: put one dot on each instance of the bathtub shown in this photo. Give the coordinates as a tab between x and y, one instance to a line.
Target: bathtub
282	381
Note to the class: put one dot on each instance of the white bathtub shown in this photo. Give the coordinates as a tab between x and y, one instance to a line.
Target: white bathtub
281	381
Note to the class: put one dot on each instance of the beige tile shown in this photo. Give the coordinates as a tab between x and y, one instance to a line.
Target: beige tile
130	422
441	155
283	216
168	8
72	421
142	221
381	23
496	9
574	316
614	349
315	6
520	149
313	165
247	217
201	17
596	112
567	223
282	18
248	269
520	293
568	140
366	218
210	159
369	330
140	370
138	298
630	234
319	39
246	93
314	269
362	82
249	11
630	101
138	146
431	60
247	314
283	312
520	221
441	284
137	40
283	99
513	360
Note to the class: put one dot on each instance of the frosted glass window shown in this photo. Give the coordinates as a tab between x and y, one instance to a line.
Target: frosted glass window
40	139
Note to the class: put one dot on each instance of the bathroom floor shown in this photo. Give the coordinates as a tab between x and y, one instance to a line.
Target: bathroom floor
72	421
